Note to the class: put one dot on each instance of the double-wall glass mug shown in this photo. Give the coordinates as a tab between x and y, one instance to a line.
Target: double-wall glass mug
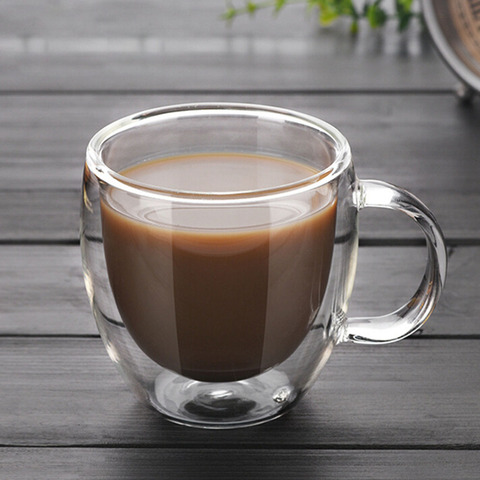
219	246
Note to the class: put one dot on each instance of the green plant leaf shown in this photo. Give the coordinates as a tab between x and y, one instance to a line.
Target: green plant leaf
376	15
229	14
354	27
404	13
251	7
279	4
405	4
331	10
347	7
327	15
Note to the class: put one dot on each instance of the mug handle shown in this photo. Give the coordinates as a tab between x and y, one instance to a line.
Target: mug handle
410	317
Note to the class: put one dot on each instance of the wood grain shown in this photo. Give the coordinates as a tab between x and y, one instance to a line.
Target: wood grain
423	145
42	290
197	464
390	136
416	394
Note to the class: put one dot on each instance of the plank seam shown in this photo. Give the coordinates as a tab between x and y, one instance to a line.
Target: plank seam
416	336
363	242
252	446
269	92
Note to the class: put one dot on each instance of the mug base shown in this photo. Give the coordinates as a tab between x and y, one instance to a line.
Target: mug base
223	405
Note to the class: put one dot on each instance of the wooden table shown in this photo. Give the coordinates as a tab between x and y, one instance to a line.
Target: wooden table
409	410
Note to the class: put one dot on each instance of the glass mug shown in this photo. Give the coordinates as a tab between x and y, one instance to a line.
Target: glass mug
219	246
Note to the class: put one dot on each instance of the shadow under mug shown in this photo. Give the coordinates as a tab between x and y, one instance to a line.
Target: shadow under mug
219	246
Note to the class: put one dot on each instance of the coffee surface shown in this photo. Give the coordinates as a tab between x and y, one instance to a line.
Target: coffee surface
218	292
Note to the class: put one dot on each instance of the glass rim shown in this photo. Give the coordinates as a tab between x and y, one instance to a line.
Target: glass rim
109	176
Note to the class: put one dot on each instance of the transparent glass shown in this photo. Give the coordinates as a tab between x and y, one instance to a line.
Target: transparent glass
219	246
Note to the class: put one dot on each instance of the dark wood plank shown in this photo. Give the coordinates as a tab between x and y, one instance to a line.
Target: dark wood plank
42	290
154	463
427	144
402	137
54	215
40	215
158	44
388	276
417	394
